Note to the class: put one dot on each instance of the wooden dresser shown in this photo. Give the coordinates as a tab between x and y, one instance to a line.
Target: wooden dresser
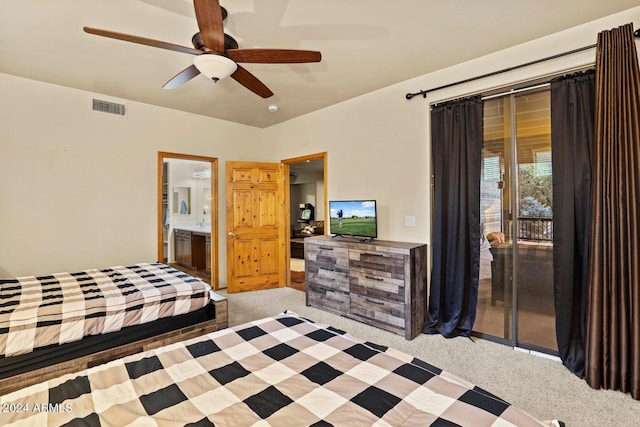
381	283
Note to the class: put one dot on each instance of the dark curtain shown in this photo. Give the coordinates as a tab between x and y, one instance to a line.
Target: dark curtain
572	134
612	344
456	140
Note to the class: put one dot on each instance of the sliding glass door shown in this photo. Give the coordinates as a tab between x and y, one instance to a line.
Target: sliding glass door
515	301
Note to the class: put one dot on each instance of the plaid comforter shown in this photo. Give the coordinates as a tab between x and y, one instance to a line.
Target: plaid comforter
280	371
40	311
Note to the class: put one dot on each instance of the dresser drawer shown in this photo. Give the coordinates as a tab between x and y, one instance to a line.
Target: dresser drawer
382	313
327	256
330	279
377	263
369	285
377	275
327	298
327	266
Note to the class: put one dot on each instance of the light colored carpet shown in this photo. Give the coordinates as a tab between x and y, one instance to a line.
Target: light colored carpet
542	387
297	264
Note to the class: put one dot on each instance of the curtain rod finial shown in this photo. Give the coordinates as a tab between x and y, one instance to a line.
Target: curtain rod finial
637	33
422	92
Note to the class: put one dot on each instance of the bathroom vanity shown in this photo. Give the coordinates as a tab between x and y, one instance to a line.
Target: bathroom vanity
192	246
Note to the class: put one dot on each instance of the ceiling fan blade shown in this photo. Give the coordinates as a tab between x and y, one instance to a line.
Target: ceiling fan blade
142	40
251	82
182	77
274	56
209	17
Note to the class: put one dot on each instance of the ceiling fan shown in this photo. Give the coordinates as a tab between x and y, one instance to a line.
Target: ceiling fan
217	53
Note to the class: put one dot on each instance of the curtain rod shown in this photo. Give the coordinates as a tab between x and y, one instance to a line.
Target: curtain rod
514	91
537	61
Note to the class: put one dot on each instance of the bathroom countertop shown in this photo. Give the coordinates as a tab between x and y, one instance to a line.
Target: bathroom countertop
194	228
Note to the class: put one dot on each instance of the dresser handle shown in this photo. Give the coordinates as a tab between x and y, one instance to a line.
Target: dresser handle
379	279
373	302
326	248
370	254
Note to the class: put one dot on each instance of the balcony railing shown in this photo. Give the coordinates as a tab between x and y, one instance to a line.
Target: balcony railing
536	229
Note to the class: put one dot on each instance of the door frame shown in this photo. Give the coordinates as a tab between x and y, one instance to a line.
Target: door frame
287	188
162	156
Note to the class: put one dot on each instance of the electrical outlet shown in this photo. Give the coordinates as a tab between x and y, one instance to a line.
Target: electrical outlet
410	221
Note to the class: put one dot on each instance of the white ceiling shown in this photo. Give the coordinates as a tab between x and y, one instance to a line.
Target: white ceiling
365	44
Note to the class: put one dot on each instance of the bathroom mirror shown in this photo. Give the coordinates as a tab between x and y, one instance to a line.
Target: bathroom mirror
182	200
206	200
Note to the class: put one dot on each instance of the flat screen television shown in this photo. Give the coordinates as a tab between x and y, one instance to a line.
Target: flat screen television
305	214
357	218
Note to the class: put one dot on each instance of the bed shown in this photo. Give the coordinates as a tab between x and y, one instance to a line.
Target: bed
282	370
53	323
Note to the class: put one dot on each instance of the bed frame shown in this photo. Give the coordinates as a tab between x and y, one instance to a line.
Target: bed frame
100	349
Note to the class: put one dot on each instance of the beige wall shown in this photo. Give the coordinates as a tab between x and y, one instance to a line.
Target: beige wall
377	149
378	144
78	189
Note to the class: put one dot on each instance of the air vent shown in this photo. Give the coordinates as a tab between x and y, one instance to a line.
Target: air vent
109	107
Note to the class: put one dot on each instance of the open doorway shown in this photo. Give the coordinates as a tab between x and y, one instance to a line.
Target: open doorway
307	195
188	214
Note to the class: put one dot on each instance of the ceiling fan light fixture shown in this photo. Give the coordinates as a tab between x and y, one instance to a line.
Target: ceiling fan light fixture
215	67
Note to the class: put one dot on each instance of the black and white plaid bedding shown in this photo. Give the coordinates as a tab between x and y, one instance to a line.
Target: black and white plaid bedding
279	371
64	307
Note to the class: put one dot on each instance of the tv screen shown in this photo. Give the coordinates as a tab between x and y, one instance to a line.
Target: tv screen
353	218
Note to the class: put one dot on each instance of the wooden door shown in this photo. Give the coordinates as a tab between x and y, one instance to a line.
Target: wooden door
256	223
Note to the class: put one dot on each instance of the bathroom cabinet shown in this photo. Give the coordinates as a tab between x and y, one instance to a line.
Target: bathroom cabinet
193	249
183	248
